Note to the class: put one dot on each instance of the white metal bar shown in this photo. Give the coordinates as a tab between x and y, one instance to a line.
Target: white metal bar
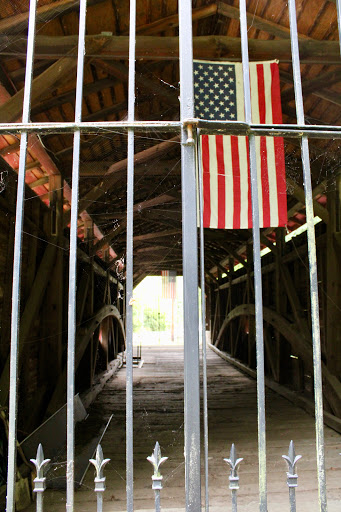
203	322
17	259
190	267
70	434
129	264
257	268
315	320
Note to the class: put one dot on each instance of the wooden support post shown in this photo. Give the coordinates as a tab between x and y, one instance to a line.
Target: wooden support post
333	301
89	302
32	307
8	220
229	302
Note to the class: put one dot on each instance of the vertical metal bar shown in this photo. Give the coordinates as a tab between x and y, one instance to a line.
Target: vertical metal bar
70	434
190	267
203	321
257	268
338	8
15	315
129	279
315	320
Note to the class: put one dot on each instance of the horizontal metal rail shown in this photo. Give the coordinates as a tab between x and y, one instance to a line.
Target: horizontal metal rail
222	127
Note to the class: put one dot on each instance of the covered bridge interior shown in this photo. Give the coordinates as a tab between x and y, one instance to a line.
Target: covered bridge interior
157	236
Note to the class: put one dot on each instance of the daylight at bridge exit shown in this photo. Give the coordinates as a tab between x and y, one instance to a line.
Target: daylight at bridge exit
170	252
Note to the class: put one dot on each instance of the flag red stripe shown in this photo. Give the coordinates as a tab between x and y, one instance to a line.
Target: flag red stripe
206	181
279	146
263	150
249	206
221	181
236	182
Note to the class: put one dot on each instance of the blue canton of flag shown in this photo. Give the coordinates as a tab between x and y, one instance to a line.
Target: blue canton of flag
215	91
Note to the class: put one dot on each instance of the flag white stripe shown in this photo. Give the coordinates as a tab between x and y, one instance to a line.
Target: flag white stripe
228	183
244	183
256	120
270	144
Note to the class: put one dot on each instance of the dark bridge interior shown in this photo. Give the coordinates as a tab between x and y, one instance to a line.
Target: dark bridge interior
157	195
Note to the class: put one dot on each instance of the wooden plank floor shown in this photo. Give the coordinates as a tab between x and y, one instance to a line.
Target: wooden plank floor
158	416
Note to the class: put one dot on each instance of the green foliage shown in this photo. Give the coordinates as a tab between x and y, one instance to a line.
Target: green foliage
149	320
154	320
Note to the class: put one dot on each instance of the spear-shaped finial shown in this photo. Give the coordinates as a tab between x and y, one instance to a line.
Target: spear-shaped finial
292	459
233	462
99	464
156	459
40	463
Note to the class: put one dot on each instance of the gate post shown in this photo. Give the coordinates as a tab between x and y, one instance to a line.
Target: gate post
190	266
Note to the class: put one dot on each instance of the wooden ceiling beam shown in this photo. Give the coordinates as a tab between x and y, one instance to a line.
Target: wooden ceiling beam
157	234
172	21
167	48
9	150
113	173
314	86
138	207
120	71
163	168
69	97
19	22
39	182
48	80
255	21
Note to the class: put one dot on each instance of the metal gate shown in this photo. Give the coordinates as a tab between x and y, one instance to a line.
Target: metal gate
189	129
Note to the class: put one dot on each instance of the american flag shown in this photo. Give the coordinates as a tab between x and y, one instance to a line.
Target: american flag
219	95
168	284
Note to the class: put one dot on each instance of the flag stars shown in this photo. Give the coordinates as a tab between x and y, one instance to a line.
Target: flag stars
214	86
